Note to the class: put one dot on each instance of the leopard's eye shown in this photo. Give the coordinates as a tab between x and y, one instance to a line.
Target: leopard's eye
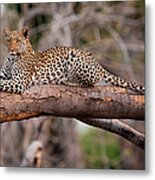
19	40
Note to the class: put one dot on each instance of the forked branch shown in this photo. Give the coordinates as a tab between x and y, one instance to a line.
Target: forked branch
88	105
119	128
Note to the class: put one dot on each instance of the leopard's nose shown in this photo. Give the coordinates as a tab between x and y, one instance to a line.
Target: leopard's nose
11	49
12	52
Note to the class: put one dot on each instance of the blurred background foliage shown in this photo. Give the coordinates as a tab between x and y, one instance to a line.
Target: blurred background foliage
114	32
106	151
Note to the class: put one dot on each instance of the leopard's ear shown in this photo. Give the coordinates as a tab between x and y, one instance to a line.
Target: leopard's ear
7	32
25	32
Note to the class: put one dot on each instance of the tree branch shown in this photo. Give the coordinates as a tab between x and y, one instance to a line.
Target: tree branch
65	101
119	128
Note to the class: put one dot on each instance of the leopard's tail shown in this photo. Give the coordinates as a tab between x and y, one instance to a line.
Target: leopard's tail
120	82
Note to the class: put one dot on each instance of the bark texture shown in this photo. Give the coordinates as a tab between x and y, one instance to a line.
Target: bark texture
66	101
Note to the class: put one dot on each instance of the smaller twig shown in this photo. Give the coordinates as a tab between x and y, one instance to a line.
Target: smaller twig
119	128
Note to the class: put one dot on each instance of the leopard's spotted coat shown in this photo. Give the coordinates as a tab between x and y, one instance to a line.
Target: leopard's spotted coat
25	67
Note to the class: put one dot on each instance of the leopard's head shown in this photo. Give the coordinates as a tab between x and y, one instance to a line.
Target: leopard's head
17	41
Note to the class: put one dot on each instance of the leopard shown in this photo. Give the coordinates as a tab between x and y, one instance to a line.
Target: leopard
24	67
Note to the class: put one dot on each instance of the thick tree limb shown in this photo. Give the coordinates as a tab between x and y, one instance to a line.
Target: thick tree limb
119	128
66	101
